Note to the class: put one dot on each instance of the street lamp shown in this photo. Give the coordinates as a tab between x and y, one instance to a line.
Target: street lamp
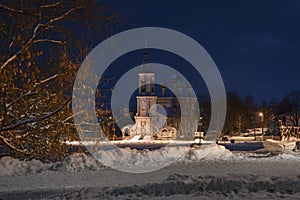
261	114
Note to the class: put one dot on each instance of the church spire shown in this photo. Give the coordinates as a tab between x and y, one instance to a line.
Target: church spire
146	77
146	65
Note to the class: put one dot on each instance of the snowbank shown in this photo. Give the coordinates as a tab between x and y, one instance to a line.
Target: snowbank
219	175
76	162
11	166
79	162
122	158
133	160
146	160
216	152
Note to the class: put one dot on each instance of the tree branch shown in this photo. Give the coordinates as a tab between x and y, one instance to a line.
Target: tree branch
51	5
35	119
36	34
12	146
50	40
8	9
64	15
29	93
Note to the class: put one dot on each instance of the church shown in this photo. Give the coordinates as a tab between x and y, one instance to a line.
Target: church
150	123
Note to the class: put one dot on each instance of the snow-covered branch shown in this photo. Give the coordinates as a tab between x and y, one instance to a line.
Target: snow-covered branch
64	15
50	40
34	119
30	93
10	59
48	79
37	31
70	117
51	5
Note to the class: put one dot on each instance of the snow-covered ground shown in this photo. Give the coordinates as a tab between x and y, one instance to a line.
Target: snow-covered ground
220	175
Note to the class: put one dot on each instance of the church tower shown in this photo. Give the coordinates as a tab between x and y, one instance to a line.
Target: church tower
146	83
145	100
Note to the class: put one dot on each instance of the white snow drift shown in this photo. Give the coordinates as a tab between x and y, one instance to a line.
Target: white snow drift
146	158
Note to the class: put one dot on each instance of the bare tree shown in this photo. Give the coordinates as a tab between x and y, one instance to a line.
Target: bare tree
42	45
290	106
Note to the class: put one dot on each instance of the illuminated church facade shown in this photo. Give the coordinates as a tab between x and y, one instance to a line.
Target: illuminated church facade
148	120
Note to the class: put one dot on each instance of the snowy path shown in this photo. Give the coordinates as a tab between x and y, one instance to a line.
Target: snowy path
222	175
93	184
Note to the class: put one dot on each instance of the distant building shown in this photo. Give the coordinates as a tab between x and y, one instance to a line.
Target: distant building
147	119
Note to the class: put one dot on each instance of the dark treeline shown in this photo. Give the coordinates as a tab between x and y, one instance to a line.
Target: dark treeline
243	112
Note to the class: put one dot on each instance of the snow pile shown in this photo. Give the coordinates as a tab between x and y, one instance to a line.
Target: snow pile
136	161
131	160
286	156
122	159
219	152
76	162
79	162
279	145
212	152
135	138
266	156
11	166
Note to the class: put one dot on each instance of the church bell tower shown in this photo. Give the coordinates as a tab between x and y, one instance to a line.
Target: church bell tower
146	99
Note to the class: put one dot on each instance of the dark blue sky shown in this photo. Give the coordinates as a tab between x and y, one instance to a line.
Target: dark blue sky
256	45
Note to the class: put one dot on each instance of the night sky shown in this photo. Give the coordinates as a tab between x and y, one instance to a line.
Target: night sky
256	45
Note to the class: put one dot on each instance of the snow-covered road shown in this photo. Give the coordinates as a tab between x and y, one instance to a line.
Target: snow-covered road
237	176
